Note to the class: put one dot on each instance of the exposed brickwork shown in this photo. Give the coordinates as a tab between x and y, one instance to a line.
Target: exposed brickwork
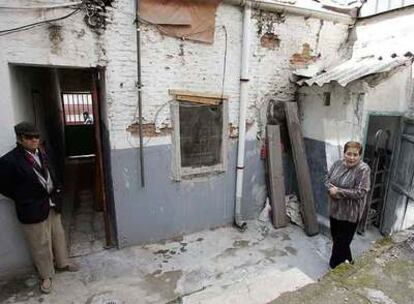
305	57
149	130
169	63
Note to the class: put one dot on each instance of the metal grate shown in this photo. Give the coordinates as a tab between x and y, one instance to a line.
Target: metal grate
201	128
77	108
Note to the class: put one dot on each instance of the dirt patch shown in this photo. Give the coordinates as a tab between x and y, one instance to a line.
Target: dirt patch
273	252
165	283
291	250
241	244
56	38
19	290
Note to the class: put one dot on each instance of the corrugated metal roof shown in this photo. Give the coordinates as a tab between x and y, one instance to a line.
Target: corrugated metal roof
354	69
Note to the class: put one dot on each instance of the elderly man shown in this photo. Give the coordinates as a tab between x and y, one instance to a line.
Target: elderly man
27	178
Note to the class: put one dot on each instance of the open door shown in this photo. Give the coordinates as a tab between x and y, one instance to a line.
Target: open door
398	212
103	196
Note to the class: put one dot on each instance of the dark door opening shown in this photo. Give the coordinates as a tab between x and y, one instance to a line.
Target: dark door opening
64	104
398	213
379	150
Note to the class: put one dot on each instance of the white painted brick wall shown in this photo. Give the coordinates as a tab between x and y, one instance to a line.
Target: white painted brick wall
170	63
79	47
386	34
167	63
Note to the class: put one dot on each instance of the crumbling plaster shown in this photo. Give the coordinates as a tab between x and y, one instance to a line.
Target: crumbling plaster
170	63
166	62
386	93
66	43
347	116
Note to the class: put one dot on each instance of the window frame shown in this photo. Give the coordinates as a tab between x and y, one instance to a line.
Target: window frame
179	172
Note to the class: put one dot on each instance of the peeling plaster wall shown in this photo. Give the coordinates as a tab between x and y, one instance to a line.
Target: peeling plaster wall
167	63
67	43
72	45
170	63
327	128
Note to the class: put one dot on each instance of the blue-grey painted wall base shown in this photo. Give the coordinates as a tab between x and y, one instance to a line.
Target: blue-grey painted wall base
165	208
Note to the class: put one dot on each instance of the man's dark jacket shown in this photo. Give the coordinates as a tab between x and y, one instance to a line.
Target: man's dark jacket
19	182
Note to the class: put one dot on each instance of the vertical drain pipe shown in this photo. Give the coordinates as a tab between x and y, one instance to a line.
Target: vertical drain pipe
139	86
244	82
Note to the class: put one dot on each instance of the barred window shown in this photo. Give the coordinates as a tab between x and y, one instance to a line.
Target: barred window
200	129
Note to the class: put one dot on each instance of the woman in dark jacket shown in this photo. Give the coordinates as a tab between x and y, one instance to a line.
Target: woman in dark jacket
347	183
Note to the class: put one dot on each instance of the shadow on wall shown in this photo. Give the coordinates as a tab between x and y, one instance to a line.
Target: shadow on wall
317	160
15	259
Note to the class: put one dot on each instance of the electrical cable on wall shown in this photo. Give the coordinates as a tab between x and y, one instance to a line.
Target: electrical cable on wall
94	14
47	6
162	106
36	24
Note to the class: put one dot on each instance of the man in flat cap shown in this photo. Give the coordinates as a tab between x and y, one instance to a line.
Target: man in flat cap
27	178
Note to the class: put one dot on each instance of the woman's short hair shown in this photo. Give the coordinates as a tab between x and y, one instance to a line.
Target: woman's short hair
353	144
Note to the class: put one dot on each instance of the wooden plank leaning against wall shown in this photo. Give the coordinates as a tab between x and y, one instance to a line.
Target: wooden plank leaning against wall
276	178
302	170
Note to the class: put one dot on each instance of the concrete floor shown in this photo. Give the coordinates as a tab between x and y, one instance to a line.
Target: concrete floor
385	275
212	266
86	227
83	224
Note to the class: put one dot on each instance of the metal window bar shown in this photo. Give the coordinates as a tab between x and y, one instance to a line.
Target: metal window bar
74	105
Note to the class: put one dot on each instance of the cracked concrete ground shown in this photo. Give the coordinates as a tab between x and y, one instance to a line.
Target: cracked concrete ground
212	266
385	275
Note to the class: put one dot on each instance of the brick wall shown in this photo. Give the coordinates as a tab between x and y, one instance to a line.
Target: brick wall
170	63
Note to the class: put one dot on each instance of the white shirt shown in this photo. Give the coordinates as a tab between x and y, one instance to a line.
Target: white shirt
48	184
36	157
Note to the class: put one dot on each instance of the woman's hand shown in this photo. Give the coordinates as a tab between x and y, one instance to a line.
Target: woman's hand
333	191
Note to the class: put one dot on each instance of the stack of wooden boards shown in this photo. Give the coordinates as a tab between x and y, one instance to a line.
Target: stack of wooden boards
276	176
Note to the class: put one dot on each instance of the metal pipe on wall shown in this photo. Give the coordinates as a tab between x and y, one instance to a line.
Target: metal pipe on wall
139	86
244	87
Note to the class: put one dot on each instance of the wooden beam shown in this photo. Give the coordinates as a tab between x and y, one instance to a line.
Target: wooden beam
198	94
302	170
198	99
277	186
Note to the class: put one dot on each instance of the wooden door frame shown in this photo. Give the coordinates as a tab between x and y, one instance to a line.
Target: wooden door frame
394	159
97	99
398	115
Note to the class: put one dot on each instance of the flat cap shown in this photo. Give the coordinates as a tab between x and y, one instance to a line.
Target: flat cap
25	128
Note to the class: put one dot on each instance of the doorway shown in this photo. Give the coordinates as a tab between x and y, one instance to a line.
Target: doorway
66	106
383	130
398	213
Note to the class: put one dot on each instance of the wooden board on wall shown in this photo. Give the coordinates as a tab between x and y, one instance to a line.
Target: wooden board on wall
276	178
302	170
